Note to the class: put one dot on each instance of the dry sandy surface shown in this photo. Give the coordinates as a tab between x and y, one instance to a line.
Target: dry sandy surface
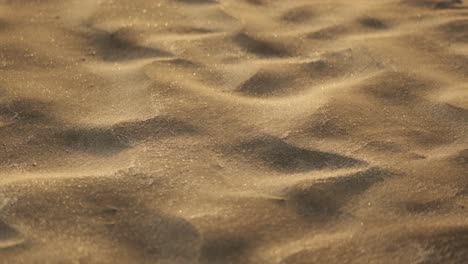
233	131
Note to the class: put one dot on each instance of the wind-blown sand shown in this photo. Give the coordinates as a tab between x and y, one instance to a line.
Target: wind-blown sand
233	131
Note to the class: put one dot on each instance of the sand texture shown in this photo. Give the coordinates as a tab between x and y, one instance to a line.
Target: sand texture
233	131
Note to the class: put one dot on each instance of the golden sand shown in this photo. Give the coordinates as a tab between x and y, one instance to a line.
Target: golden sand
233	131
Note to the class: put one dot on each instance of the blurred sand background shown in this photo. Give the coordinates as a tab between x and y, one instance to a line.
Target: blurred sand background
233	131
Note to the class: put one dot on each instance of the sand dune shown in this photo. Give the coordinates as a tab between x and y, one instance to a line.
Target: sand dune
233	131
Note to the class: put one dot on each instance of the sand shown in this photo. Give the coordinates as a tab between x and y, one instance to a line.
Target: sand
233	131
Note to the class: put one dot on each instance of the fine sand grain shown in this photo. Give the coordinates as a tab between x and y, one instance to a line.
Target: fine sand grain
233	131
